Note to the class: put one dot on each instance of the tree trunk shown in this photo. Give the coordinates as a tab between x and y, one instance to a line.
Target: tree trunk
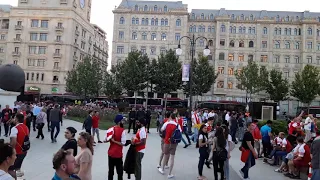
147	96
165	102
135	100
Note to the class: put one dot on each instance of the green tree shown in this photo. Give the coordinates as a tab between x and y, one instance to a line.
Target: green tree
277	86
167	72
203	76
112	88
132	72
83	79
305	86
97	74
248	79
263	78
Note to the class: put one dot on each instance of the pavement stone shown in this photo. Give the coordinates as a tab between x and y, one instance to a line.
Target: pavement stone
38	163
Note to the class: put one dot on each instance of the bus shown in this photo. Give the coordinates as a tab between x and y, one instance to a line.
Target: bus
60	98
314	110
222	105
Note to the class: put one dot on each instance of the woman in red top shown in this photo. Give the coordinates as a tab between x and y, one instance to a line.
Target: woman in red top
95	126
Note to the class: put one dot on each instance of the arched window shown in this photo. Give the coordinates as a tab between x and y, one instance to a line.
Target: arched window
210	43
231	44
251	44
318	32
211	16
276	31
241	44
144	36
265	30
202	16
136	8
221	56
240	29
234	29
152	22
201	43
230	85
223	28
277	45
191	28
251	17
287	18
156	22
162	22
146	21
289	31
142	21
134	36
154	36
121	20
278	18
232	16
194	28
309	31
178	22
249	30
163	37
203	28
155	8
145	8
253	30
297	45
165	9
212	29
133	21
166	23
200	28
242	17
230	29
209	28
285	31
295	31
193	16
279	31
137	21
244	30
287	44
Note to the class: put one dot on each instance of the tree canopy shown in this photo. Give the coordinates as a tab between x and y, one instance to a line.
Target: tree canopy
248	78
277	87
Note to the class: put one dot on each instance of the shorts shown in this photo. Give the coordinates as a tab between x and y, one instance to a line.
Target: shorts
299	164
18	162
169	149
162	143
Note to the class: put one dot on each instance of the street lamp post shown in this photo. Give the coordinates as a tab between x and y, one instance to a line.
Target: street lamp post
206	52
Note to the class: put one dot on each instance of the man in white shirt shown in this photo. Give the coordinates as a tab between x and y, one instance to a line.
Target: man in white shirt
228	117
140	141
307	128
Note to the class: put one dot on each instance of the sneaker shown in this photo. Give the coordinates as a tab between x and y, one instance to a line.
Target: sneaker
159	166
278	170
19	173
166	167
170	176
161	170
99	141
242	174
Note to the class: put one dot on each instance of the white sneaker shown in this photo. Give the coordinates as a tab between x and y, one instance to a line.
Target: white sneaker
166	167
159	166
170	176
160	170
19	173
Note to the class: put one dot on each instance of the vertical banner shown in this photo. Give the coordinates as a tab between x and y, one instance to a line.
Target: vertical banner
185	72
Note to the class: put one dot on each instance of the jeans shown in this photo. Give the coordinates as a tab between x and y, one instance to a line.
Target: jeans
194	137
187	136
203	151
148	121
226	169
277	154
184	141
218	166
40	130
233	134
115	162
247	166
266	146
96	131
133	123
34	122
315	174
137	169
55	125
6	128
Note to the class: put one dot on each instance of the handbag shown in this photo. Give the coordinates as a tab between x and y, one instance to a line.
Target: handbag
245	153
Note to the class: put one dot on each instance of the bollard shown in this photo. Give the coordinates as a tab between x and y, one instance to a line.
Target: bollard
310	172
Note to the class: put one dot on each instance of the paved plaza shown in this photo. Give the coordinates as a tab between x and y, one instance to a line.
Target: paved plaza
38	163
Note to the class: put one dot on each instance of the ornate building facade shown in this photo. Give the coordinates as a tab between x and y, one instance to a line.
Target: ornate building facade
48	38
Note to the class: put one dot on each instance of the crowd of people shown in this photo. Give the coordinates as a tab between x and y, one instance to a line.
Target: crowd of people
214	134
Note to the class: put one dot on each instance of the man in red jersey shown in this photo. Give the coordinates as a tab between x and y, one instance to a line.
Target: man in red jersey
95	126
140	141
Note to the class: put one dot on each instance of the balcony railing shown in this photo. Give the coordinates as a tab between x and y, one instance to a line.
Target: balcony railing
57	41
15	53
56	68
17	39
18	27
57	55
55	81
59	28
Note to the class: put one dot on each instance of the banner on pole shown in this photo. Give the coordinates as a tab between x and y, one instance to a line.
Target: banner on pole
185	72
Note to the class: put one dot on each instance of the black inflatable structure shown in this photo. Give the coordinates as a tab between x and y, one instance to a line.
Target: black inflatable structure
12	78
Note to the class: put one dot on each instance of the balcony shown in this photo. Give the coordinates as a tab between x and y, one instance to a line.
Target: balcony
77	32
55	81
63	1
17	40
57	55
17	54
59	28
57	41
18	27
56	69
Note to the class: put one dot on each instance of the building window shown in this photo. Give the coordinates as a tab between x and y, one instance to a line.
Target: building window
177	36
136	8
221	70
295	31
43	36
222	42
297	59
166	22
33	36
121	35
44	23
31	62
133	49
309	31
153	36
178	22
211	16
318	47
230	71
221	56
297	45
251	44
241	58
264	58
193	16
153	51
232	17
163	50
318	60
145	8
162	22
121	20
276	59
146	22
143	49
163	37
16	49
34	23
265	30
230	57
200	28
134	36
42	50
156	22
137	21
287	59
220	84
286	74
242	17
231	44
32	76
1	50
27	76
210	43
277	45
309	45
230	85
278	18
309	59
250	58
144	36
155	8
287	44
241	44
32	50
202	16
190	28
120	49
15	62
264	44
133	21
223	28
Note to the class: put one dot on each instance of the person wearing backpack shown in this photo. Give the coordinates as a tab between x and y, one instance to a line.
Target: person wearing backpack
220	154
19	138
173	136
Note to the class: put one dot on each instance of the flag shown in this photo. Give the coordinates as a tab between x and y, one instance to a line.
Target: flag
109	134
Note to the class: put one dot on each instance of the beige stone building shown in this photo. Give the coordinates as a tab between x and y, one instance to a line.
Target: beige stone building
47	38
283	40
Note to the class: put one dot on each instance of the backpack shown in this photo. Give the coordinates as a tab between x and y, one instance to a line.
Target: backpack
221	154
26	142
176	136
162	134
